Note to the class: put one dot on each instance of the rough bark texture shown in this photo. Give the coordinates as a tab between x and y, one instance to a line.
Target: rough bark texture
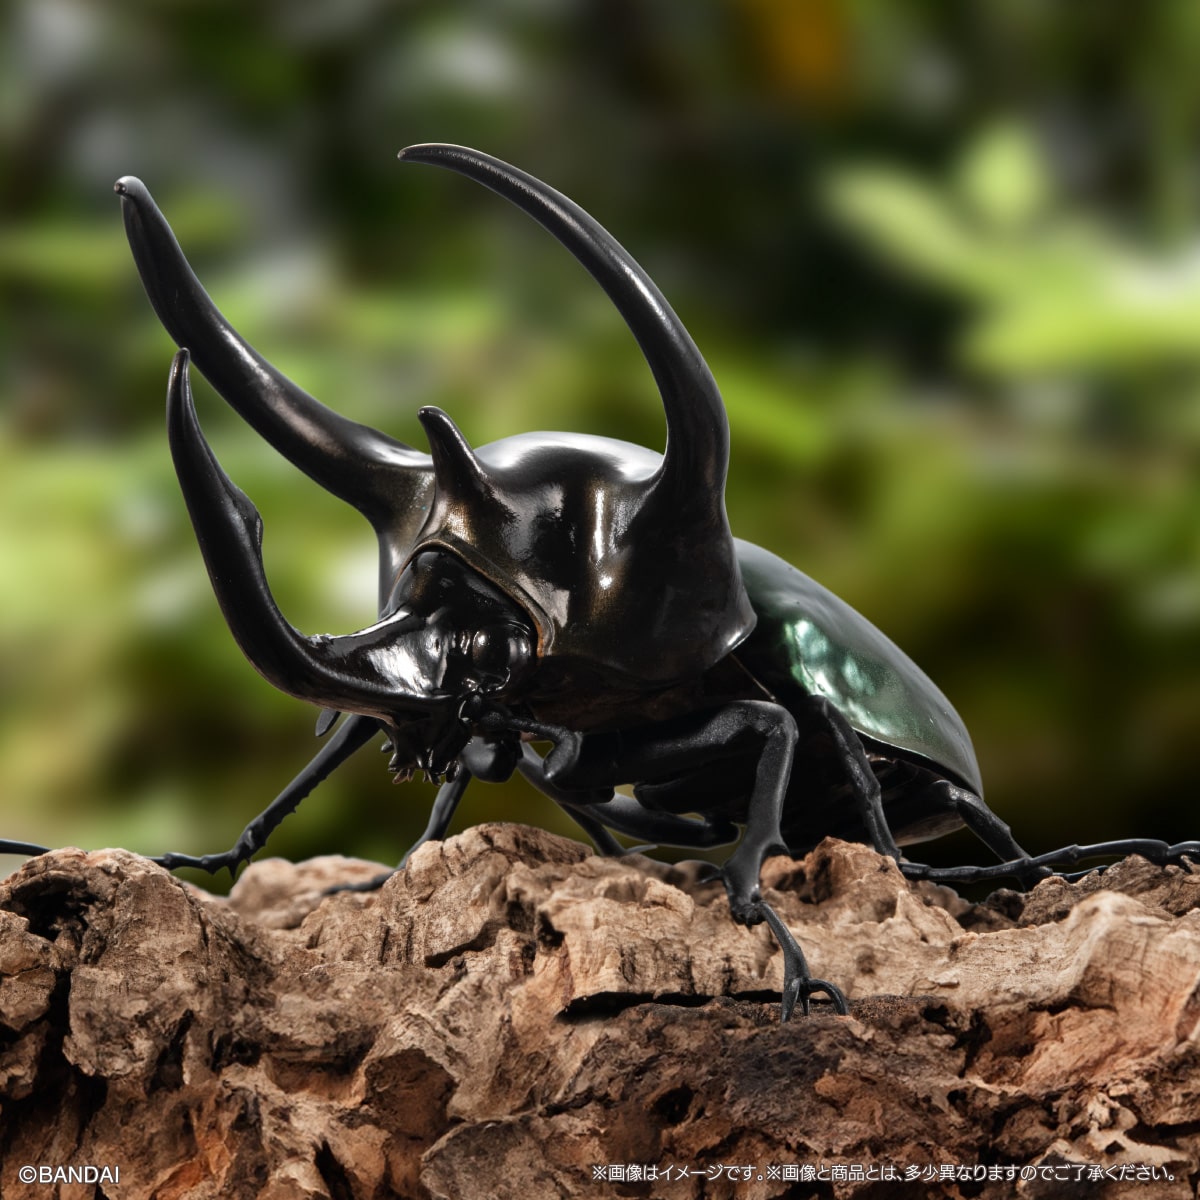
511	1012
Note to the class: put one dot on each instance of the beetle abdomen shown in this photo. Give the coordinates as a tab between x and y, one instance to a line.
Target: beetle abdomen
809	642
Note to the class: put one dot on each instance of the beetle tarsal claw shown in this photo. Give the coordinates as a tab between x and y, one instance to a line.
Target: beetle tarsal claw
798	983
804	990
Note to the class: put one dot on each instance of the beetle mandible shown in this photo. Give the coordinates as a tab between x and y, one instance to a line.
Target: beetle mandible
576	590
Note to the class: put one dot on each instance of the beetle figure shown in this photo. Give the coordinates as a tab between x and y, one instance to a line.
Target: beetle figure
576	590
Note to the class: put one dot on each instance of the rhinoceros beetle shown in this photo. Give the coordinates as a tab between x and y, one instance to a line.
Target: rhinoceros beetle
578	591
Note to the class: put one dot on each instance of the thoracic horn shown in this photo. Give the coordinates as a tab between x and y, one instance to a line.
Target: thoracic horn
697	452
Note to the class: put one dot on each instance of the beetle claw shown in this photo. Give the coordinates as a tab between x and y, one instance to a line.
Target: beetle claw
798	983
803	990
231	861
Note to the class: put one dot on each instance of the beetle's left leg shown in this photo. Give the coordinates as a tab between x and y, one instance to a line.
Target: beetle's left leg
597	814
691	743
576	805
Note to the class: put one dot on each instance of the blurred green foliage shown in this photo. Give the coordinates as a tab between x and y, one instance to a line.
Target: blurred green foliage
1051	288
942	259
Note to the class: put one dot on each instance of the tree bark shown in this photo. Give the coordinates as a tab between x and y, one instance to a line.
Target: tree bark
514	1017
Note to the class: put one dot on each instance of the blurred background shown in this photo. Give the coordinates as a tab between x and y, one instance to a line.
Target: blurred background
943	260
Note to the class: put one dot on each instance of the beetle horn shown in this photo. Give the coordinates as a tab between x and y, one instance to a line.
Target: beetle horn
455	466
697	451
354	462
349	673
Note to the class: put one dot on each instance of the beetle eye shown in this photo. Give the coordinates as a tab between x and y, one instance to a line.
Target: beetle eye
499	654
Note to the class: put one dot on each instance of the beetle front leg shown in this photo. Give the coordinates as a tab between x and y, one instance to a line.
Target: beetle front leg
482	758
445	805
356	732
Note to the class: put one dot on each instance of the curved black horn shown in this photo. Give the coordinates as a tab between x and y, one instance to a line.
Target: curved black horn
455	466
353	461
697	453
348	673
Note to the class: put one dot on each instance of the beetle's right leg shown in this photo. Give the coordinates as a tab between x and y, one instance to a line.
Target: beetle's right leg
486	758
355	732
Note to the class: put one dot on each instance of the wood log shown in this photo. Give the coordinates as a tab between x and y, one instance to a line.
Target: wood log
512	1016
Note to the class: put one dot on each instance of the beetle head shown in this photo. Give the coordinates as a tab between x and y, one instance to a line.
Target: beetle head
448	638
623	560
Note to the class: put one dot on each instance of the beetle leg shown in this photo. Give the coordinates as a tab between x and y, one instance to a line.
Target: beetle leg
623	814
27	849
484	758
602	840
980	819
626	815
689	743
445	804
798	983
583	814
989	829
440	816
355	732
862	779
762	836
1182	854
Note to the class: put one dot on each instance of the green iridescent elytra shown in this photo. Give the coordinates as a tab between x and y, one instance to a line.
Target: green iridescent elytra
809	640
